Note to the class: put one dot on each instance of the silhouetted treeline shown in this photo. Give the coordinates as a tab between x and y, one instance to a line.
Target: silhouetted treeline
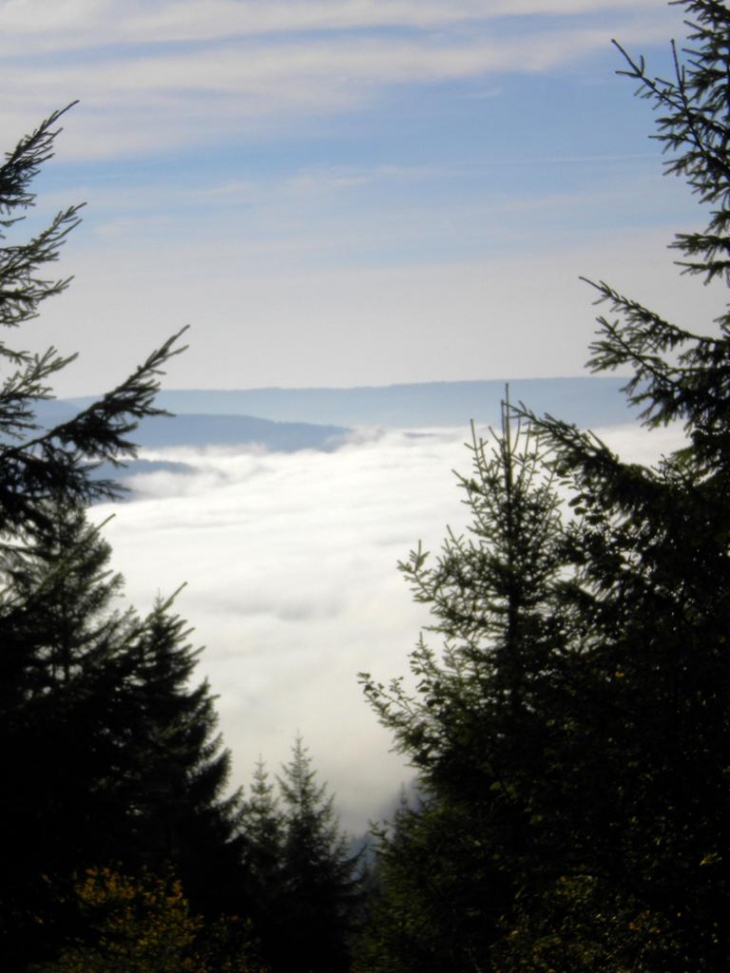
124	849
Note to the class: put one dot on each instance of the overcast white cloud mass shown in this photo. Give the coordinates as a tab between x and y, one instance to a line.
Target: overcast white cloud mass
290	561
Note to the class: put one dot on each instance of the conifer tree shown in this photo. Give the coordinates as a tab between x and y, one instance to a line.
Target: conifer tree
477	730
108	756
264	825
183	816
319	884
619	855
652	554
66	703
38	463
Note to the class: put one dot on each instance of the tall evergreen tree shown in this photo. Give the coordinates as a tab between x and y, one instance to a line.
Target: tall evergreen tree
110	755
652	554
66	705
611	747
107	754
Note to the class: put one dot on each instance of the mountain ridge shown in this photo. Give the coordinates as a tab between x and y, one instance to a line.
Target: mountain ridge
587	401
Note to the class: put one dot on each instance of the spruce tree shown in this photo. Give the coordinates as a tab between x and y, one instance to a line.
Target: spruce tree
182	815
319	884
611	747
652	552
66	697
108	755
264	825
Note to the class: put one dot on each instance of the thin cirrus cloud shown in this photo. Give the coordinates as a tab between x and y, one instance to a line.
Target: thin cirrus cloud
293	587
186	21
73	23
171	75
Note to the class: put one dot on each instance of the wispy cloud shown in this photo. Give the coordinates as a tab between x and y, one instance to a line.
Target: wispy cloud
155	77
77	22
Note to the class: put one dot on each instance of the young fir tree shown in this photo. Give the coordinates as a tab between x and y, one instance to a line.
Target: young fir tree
182	815
317	896
264	824
477	730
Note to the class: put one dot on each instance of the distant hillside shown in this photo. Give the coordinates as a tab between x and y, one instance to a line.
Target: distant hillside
586	401
287	420
189	429
292	419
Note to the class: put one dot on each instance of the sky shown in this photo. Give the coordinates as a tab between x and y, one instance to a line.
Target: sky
342	192
333	193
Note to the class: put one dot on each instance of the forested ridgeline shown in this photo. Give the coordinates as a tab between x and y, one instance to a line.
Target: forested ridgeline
570	725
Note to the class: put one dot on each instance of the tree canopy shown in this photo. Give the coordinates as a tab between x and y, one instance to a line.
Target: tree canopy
108	755
572	740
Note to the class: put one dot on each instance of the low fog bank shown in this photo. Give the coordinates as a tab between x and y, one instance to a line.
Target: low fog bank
290	561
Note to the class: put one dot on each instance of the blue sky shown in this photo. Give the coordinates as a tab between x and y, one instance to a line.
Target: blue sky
343	192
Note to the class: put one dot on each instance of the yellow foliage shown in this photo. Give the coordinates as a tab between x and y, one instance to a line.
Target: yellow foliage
142	925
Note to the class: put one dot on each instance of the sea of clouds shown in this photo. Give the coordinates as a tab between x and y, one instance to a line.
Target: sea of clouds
290	566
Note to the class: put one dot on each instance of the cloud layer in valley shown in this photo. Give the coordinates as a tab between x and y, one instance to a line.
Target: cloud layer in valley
290	561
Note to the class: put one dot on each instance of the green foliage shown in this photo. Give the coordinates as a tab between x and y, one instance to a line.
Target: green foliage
181	811
38	463
477	728
580	925
109	754
264	825
438	896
